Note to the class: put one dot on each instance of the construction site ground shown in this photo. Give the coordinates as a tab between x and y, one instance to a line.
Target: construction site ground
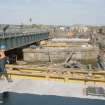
56	72
45	87
43	92
48	85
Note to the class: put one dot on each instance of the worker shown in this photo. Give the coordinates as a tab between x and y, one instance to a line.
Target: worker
3	62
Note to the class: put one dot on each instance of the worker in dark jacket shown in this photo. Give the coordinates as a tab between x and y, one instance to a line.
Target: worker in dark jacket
3	62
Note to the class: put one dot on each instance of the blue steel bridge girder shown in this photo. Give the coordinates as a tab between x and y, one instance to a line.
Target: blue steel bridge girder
15	41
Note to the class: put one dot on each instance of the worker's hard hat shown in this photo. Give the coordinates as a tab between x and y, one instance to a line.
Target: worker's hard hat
2	47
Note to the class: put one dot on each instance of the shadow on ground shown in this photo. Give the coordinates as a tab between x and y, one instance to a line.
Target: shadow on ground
11	98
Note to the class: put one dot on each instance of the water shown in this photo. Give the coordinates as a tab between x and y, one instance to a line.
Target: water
12	98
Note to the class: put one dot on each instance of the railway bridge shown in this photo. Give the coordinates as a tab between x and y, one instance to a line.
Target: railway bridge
16	40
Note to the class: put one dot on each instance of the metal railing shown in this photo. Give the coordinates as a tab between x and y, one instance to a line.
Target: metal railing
15	34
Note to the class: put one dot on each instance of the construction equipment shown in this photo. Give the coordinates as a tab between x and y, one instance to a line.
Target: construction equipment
95	91
70	65
100	62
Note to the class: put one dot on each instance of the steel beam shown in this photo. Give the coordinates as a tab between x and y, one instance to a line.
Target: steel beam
18	40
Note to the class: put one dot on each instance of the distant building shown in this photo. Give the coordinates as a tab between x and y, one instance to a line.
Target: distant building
62	28
79	28
103	30
97	29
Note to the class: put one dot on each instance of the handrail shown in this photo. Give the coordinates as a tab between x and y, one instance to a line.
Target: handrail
6	35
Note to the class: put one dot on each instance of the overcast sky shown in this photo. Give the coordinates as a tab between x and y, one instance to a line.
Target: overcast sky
61	12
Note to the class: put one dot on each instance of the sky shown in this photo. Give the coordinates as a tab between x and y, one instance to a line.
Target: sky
54	12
